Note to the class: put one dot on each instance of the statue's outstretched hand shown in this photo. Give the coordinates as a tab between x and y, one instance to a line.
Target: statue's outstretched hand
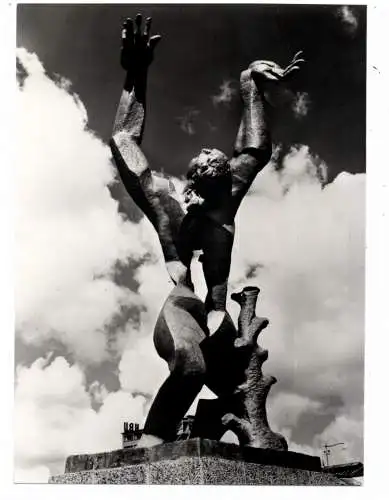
269	70
137	47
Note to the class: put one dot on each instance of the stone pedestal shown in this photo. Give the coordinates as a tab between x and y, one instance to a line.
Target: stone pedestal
196	461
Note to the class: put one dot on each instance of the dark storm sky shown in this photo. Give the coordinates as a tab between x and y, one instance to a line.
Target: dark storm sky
202	46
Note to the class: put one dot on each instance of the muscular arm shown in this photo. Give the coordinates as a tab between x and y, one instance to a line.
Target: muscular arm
131	112
252	152
149	193
253	144
152	200
126	138
136	57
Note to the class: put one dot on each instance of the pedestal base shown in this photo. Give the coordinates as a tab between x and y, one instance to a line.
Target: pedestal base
196	461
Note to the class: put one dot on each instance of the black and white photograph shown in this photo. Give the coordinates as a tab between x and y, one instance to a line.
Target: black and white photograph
190	244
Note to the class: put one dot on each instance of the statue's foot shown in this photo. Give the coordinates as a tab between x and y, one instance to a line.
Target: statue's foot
148	440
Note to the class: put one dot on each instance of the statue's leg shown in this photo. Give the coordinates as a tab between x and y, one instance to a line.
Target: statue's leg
217	247
180	328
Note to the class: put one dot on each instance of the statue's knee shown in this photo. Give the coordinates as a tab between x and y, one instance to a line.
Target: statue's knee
189	361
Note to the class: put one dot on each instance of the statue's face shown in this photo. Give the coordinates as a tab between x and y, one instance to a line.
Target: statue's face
208	176
209	162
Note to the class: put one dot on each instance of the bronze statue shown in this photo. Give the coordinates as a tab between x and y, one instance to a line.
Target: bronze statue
204	221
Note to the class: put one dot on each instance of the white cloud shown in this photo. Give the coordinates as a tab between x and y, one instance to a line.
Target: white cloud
347	429
300	104
69	234
345	432
54	418
98	392
285	409
38	474
187	120
303	245
140	369
226	93
348	17
229	437
69	237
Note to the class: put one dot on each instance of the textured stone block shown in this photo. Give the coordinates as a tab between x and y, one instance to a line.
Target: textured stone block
179	471
131	474
196	461
222	471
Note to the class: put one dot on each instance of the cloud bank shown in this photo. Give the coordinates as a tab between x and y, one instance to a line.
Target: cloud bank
299	239
300	104
70	239
226	93
348	18
302	243
187	120
54	418
69	234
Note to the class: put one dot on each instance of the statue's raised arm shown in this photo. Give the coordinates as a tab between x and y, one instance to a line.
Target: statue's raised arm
137	53
150	192
253	147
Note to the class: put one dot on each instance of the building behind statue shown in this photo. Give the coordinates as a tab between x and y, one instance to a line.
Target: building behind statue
132	433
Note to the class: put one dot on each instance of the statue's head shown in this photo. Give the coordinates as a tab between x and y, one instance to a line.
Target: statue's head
208	177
